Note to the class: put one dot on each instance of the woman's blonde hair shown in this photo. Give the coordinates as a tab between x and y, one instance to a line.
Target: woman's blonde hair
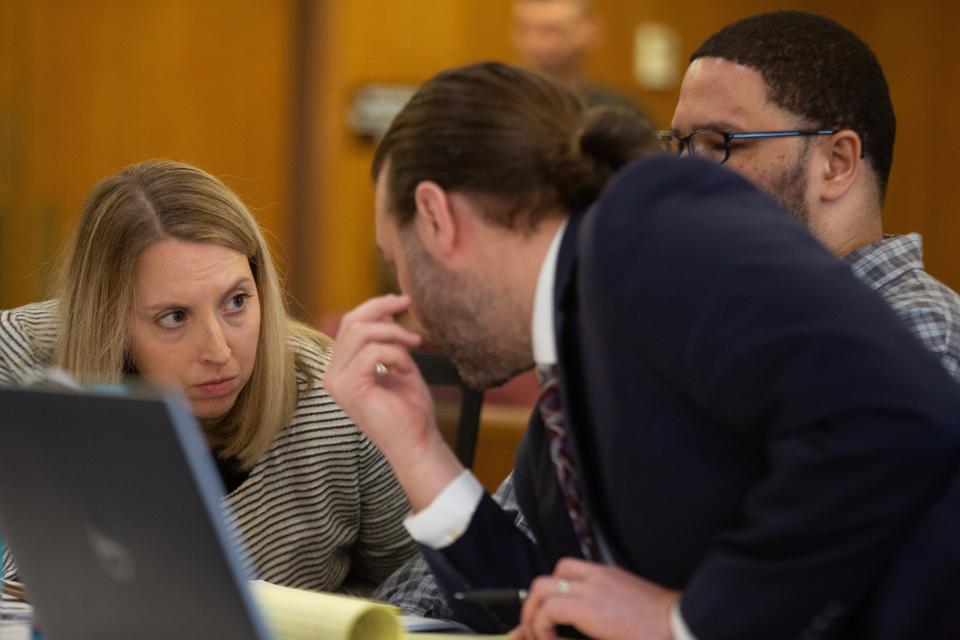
122	216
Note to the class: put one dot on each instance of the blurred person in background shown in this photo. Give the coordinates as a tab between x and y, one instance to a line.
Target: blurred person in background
554	38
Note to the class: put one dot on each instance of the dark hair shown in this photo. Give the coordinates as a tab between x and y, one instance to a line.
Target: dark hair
818	69
524	144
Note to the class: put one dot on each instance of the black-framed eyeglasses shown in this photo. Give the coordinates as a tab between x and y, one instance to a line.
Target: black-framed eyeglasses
715	145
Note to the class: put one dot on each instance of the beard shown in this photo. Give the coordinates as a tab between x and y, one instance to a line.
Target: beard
789	188
483	331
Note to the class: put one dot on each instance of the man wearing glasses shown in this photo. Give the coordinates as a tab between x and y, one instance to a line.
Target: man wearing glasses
798	105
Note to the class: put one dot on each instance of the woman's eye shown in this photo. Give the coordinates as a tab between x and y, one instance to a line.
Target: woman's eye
172	319
237	302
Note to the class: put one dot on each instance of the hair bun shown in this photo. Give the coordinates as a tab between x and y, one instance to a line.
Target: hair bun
611	137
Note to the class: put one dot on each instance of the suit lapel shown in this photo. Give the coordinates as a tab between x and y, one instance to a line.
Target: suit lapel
565	319
572	385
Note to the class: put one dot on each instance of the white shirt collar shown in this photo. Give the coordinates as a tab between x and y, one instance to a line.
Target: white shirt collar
544	336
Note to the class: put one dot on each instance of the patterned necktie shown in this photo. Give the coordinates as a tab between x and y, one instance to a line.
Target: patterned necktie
551	410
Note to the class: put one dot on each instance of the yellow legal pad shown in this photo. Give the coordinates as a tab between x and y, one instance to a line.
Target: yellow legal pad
295	614
449	636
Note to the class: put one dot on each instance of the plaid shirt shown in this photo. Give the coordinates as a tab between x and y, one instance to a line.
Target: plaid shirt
893	267
412	586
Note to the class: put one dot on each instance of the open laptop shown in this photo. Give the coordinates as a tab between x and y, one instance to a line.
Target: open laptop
110	507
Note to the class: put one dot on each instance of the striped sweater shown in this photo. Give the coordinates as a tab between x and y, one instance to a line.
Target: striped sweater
321	509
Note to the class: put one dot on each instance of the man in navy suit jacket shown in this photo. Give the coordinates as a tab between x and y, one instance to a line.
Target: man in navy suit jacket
753	430
777	75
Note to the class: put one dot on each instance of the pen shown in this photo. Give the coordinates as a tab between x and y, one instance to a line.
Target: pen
492	596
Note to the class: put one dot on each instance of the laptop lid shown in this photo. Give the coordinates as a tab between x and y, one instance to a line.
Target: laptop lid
111	508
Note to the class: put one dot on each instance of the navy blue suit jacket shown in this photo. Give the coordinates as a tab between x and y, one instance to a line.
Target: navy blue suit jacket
751	424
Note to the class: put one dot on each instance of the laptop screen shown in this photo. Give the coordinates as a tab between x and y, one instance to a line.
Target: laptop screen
110	507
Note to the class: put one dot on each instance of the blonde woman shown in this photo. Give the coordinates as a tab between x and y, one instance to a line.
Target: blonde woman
168	277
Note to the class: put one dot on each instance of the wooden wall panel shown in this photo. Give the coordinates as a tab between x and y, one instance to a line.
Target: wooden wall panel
87	88
383	41
377	41
917	48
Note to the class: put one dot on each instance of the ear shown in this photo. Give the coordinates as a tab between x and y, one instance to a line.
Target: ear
435	223
842	164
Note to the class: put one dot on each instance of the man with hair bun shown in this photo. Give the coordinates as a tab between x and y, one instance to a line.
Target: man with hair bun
734	435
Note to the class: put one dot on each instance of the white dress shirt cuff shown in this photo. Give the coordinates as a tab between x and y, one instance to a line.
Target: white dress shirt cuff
448	516
678	628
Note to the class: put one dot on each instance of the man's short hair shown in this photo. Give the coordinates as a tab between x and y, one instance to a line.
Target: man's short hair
817	69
